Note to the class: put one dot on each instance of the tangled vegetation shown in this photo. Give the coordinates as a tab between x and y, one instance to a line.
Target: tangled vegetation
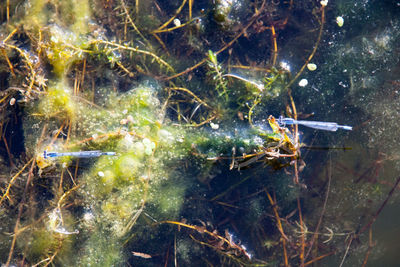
181	91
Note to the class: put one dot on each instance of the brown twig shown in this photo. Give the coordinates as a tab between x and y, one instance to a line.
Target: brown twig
190	93
302	237
132	23
280	228
8	150
370	246
296	136
275	45
319	258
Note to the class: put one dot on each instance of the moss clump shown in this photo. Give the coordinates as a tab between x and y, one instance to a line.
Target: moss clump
100	249
169	198
58	102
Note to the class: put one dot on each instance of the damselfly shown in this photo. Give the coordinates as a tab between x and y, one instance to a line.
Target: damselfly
78	154
320	125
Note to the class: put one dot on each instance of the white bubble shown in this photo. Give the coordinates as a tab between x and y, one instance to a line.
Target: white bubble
311	66
88	216
284	65
177	22
340	21
214	126
303	82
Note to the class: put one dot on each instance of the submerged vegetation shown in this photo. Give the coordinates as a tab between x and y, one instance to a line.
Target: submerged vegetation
182	92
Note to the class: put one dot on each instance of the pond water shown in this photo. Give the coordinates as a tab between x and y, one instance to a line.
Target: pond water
182	92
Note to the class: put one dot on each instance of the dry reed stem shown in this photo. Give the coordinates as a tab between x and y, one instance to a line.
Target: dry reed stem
319	258
370	246
8	11
22	202
203	122
373	219
280	228
161	43
302	237
198	99
8	62
190	8
275	45
7	149
253	68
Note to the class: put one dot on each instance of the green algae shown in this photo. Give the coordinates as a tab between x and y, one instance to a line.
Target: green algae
58	102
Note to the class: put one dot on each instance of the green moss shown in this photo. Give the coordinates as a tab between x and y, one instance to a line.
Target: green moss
42	242
82	14
58	102
101	249
35	15
65	48
169	199
126	167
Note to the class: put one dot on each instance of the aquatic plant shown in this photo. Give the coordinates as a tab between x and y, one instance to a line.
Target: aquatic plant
197	165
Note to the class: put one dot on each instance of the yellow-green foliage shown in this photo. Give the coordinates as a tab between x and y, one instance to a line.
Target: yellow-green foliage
74	13
58	102
65	47
42	242
170	198
127	166
101	250
64	30
36	16
82	14
119	185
